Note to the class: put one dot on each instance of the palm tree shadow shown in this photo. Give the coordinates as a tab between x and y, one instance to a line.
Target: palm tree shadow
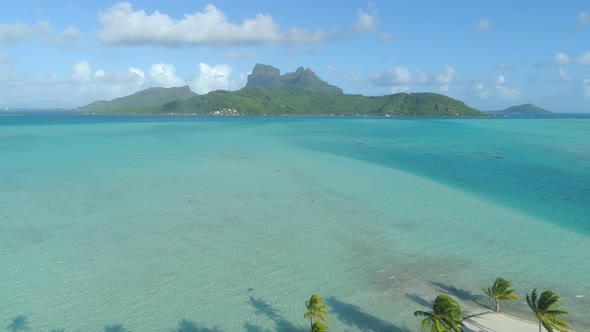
115	328
253	328
188	326
264	308
420	300
461	294
353	316
19	323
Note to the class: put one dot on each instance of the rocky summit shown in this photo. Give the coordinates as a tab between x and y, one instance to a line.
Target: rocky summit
267	76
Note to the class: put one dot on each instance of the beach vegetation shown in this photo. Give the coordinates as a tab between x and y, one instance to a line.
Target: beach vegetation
501	291
316	313
546	310
446	315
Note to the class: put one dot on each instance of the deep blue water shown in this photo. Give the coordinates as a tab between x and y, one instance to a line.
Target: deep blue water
538	166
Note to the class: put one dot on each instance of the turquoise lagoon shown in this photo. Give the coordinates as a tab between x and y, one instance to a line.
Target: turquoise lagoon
139	223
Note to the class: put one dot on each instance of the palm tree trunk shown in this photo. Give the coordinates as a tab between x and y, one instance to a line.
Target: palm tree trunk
497	305
311	324
540	327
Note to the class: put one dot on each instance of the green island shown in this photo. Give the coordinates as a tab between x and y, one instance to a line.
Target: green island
521	109
268	93
144	99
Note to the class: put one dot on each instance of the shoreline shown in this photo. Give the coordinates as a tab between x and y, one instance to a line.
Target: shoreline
495	322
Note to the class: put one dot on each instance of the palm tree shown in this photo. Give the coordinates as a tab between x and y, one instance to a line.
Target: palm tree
545	308
500	291
446	315
316	313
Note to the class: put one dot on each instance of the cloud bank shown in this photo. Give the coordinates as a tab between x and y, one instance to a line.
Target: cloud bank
18	32
122	24
42	30
499	89
400	79
102	84
211	78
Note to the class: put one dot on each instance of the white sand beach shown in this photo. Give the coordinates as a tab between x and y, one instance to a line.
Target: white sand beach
497	322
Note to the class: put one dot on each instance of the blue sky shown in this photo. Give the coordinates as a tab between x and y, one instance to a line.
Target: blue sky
490	54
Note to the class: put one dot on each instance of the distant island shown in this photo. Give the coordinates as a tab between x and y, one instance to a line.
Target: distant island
151	97
520	109
268	93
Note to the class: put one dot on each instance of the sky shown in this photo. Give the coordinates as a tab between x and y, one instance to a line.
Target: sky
489	54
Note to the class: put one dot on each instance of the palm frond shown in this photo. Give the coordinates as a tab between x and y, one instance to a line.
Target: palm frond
419	313
548	299
545	308
316	311
501	290
508	297
438	326
446	315
427	324
532	300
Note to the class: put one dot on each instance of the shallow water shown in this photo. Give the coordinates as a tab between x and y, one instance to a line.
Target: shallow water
229	224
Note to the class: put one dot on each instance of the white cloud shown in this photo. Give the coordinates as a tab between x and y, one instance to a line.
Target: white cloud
561	58
342	76
445	78
399	88
81	72
498	89
564	76
82	86
100	74
211	78
482	91
104	84
583	19
100	84
586	87
584	59
164	75
401	78
18	32
138	74
238	55
353	76
385	37
367	22
399	75
484	25
124	25
67	37
504	91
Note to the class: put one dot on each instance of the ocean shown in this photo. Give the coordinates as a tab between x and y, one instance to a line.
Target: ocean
171	223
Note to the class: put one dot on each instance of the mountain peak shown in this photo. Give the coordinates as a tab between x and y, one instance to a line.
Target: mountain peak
267	76
264	75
